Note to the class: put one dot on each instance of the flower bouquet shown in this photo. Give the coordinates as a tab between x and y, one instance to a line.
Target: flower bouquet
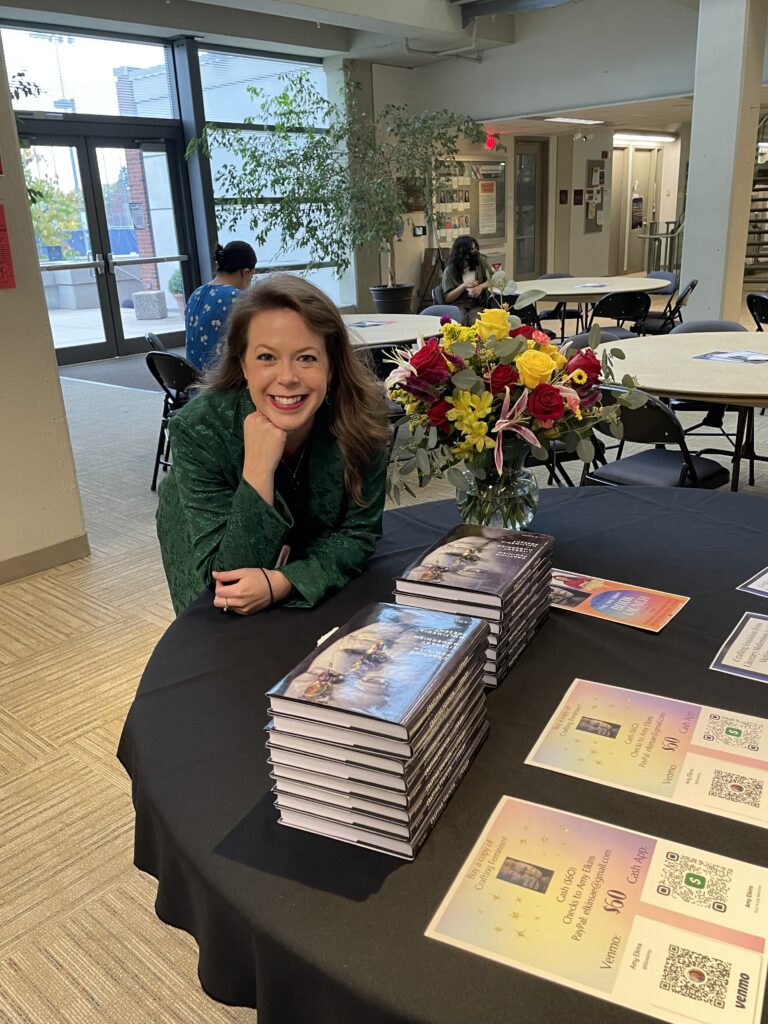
481	401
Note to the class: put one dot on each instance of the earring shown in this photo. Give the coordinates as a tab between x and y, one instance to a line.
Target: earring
328	398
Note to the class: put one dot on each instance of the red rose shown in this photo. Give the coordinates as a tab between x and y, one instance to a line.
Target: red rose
586	360
526	331
546	403
436	416
429	363
502	377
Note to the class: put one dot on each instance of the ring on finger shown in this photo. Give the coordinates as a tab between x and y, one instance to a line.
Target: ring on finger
226	605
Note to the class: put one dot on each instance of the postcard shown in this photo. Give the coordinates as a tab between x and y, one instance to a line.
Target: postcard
735	357
688	754
618	602
758	584
370	323
745	652
666	929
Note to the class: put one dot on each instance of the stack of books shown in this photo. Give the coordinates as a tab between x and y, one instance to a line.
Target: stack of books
371	734
499	575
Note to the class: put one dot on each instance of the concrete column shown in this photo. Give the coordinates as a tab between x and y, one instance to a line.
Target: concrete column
726	104
40	511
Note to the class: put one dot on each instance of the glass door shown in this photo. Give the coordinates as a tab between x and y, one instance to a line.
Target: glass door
530	209
111	243
145	258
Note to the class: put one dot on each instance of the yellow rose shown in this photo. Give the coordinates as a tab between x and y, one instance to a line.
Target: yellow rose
534	367
492	321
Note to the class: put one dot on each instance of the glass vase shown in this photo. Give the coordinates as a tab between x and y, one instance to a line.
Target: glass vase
508	500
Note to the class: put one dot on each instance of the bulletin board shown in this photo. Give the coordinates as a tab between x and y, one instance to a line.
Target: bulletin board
475	202
594	196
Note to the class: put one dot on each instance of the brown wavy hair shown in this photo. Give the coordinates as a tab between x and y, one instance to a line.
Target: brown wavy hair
358	411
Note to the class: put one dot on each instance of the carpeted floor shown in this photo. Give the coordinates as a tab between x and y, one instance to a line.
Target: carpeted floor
122	372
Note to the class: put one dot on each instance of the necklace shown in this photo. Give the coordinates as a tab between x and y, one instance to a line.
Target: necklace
295	469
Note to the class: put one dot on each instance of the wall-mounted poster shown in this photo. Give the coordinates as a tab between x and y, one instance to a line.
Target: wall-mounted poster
486	209
595	181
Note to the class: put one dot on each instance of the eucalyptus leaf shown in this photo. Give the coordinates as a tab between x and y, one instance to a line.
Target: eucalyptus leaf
633	399
432	439
463	349
409	489
396	494
617	353
418	433
457	479
422	462
628	380
585	450
617	429
514	321
571	441
529	297
542	454
464	380
595	336
505	347
407	466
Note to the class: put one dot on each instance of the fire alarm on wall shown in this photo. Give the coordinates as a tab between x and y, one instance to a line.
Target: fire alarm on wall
419	230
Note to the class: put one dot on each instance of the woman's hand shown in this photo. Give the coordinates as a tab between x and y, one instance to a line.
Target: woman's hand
264	447
478	289
245	591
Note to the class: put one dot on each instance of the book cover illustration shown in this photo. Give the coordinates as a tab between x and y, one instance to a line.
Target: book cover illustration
664	929
384	662
479	558
618	602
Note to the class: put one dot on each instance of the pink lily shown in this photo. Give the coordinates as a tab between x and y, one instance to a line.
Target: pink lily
508	421
570	396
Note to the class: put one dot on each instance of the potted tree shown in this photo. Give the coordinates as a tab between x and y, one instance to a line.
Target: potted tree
176	288
326	179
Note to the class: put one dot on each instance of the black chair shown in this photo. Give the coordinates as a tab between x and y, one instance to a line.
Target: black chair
560	311
442	309
655	424
176	376
438	295
757	304
527	314
664	323
154	342
623	306
606	334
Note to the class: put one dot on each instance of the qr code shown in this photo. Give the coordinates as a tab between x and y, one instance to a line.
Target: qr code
740	788
696	976
698	882
733	732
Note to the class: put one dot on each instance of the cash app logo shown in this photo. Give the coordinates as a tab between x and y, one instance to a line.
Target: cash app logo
730	731
695	881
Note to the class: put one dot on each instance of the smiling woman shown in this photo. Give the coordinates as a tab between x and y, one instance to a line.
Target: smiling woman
277	485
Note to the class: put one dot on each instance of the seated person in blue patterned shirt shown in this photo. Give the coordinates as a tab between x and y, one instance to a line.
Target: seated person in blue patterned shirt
209	305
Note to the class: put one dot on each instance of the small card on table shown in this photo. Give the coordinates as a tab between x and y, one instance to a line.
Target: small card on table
617	602
758	584
665	929
686	754
745	652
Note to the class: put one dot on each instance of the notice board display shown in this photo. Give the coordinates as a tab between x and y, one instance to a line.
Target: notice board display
594	194
475	203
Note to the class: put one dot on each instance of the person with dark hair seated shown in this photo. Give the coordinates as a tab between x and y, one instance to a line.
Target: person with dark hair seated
209	305
467	278
277	486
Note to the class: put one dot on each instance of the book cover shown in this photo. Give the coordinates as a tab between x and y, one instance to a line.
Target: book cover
385	665
482	563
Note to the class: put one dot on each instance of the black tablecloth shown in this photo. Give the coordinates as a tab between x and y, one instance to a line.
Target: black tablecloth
317	931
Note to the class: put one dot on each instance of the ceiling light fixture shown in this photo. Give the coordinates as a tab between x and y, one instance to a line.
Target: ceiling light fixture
637	137
572	120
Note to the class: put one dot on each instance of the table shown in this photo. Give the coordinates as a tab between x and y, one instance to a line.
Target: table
320	931
590	289
666	366
389	329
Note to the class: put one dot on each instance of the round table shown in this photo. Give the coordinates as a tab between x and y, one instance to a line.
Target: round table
318	931
590	289
387	329
667	366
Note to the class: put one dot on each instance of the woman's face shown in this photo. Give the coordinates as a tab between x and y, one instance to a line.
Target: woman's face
287	369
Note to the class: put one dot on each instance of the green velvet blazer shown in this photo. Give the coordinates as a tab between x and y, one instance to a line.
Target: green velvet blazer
209	518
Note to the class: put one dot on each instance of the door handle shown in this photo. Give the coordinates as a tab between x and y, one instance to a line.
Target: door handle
98	261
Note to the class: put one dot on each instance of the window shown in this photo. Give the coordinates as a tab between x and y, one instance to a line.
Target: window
225	78
90	75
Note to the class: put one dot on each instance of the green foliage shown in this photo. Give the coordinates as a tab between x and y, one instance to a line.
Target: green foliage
323	176
20	86
175	283
55	213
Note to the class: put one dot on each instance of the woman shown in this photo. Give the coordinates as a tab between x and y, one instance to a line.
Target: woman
209	305
277	486
466	278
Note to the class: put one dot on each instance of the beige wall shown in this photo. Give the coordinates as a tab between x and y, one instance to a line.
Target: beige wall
41	519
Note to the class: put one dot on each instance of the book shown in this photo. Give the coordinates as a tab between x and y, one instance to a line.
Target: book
375	839
384	671
478	564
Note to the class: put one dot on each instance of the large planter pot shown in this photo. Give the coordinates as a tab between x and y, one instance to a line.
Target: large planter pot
395	299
